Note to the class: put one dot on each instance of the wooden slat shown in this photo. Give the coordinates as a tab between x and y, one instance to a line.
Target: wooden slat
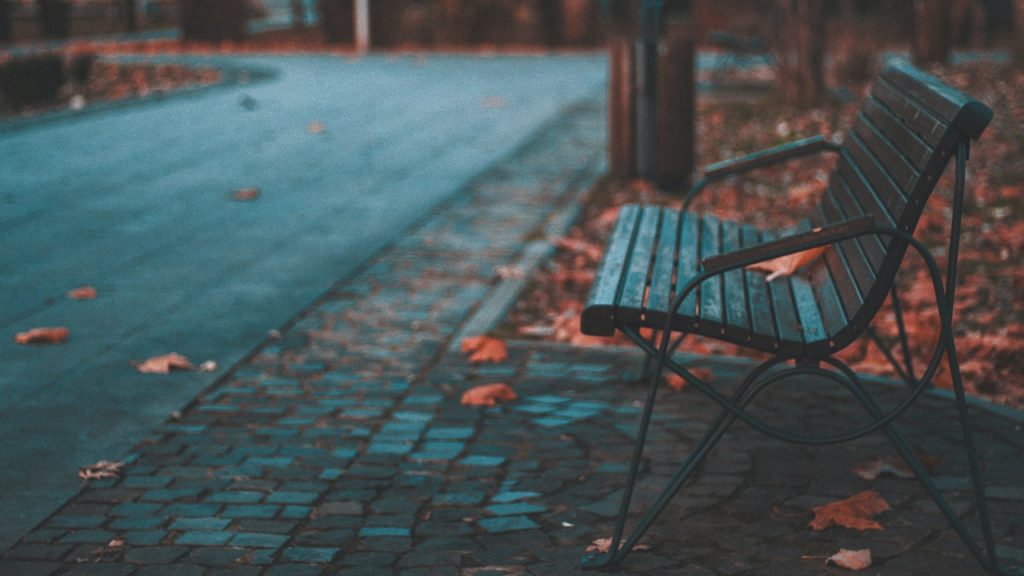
637	273
734	290
762	321
663	272
787	323
898	168
835	289
853	257
908	141
925	124
689	259
877	181
811	324
711	309
616	258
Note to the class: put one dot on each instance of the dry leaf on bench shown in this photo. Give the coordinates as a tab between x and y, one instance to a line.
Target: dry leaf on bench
851	559
602	545
164	364
82	293
43	336
854	512
480	349
245	194
879	467
488	395
787	265
100	470
317	128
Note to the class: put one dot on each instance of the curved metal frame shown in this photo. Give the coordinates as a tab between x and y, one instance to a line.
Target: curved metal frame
734	407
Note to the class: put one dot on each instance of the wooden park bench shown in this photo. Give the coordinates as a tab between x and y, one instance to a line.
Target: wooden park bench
678	272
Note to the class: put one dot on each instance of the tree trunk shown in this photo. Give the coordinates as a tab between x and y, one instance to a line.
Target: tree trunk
298	15
130	21
55	18
1018	27
931	41
800	50
5	21
337	19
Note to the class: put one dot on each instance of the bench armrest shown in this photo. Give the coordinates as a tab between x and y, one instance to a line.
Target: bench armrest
787	245
768	156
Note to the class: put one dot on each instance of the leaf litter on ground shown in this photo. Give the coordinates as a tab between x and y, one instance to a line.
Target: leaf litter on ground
856	512
602	545
488	395
164	364
851	559
82	293
484	349
100	470
55	335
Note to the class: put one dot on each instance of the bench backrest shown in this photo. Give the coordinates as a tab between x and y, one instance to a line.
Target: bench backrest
904	136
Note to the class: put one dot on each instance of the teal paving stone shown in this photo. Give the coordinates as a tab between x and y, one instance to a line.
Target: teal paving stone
144	537
344	453
218	409
170	570
137	522
507	524
552	422
266	410
271	462
25	551
76	521
250	511
295	512
576	413
235	497
483	460
506	497
421	399
515	508
459	499
408	416
547	399
591	404
538	408
203	538
183	428
614	468
26	568
276	382
103	569
88	537
318	410
363	413
450	432
146	481
135	509
278	433
262	557
191	510
292	497
200	524
389	448
331	473
414	427
384	532
259	540
44	535
335	403
358	432
311	555
432	450
297	421
169	495
154	554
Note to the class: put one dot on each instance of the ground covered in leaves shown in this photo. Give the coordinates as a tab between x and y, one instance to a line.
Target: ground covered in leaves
989	315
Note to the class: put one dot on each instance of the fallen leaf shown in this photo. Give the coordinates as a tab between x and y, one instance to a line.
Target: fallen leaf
675	381
879	467
482	349
100	470
488	395
82	293
787	265
164	364
589	249
245	194
851	559
854	512
509	272
208	366
116	543
602	545
317	128
43	336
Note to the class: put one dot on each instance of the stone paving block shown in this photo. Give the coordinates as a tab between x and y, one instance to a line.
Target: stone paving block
203	538
76	521
28	568
137	523
191	510
144	537
200	524
250	511
88	536
483	460
171	570
154	554
294	570
515	508
112	569
310	554
257	540
507	524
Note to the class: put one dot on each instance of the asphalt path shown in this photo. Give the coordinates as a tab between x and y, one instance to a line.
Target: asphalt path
136	201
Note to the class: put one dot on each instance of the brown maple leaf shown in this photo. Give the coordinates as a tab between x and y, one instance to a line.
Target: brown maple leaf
481	349
82	293
602	545
851	559
787	265
164	364
488	395
43	336
100	470
855	512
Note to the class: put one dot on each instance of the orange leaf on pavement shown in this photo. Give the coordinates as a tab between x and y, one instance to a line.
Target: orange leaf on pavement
855	512
787	265
851	559
482	349
43	336
602	545
245	194
100	470
164	364
82	293
488	395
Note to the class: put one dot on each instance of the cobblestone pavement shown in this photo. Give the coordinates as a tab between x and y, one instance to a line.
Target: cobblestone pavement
341	448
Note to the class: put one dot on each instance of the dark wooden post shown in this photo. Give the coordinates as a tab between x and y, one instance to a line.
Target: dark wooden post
645	75
130	15
578	22
298	15
676	102
620	108
337	20
55	18
931	41
800	49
